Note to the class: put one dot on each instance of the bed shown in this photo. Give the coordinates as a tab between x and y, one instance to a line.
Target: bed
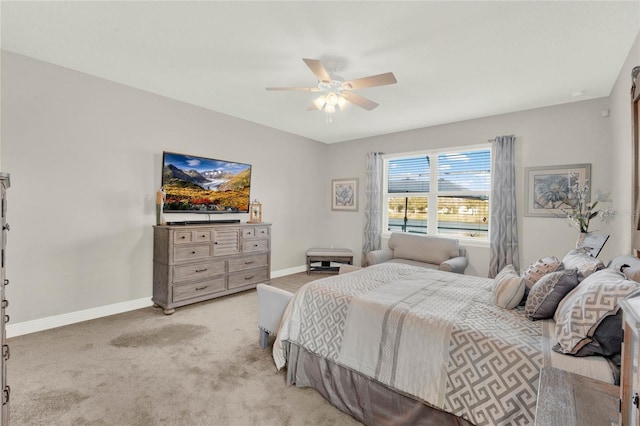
400	344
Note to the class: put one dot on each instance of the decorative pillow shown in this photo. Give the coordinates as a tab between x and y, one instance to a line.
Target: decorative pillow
586	306
547	292
508	288
538	269
580	260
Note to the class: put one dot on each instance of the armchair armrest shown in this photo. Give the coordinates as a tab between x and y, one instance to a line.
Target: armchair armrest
378	256
456	264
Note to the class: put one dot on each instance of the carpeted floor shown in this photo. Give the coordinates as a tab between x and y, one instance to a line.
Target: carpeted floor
200	366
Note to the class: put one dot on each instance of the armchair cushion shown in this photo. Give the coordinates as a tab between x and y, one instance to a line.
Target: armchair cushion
421	250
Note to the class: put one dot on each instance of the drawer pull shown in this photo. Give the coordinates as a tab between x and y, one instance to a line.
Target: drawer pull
201	270
193	252
5	303
201	288
7	318
6	353
7	392
203	236
249	278
7	227
248	262
255	245
215	242
6	282
183	237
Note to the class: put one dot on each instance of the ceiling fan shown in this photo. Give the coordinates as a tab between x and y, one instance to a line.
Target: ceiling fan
337	93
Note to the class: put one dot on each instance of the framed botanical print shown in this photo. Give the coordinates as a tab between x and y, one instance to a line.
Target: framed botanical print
547	188
344	195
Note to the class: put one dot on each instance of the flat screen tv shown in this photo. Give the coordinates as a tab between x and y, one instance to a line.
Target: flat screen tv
204	185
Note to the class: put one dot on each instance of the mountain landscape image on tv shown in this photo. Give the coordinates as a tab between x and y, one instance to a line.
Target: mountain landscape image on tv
205	185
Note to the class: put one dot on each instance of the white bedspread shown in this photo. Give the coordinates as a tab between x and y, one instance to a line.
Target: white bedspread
435	335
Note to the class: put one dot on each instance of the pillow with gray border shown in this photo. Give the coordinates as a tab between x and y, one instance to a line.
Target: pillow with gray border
546	294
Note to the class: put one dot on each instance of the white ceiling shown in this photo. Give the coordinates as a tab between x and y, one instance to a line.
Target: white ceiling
453	60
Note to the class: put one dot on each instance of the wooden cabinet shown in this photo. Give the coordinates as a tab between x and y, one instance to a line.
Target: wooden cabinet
569	399
629	375
4	318
199	262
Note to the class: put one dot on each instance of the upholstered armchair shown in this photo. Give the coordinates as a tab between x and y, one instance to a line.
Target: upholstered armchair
440	253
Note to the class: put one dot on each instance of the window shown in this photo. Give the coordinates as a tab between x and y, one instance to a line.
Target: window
457	206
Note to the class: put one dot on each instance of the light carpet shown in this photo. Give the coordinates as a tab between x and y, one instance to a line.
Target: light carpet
200	366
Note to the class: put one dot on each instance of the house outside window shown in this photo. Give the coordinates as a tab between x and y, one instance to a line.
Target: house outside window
457	206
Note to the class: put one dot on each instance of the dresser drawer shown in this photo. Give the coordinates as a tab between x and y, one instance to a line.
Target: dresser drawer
189	291
249	277
262	231
192	236
257	232
182	237
255	245
248	262
193	252
197	271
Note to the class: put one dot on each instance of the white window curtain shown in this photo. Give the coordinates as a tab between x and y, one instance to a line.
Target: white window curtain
372	238
504	226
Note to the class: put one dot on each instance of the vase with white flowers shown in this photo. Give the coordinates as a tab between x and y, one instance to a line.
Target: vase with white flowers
580	210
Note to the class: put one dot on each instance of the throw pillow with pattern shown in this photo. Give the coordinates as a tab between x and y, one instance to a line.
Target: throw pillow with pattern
547	292
584	308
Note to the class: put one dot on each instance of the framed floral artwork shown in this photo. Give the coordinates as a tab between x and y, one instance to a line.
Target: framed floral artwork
344	195
548	188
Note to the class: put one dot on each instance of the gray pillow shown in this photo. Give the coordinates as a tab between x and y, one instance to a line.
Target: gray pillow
508	288
547	292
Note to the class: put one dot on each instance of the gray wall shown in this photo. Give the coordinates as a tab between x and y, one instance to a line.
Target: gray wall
85	161
84	156
565	134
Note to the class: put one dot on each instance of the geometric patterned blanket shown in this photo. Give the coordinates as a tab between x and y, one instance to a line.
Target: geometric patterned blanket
435	335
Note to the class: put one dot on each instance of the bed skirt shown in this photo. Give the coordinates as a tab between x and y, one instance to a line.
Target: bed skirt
366	400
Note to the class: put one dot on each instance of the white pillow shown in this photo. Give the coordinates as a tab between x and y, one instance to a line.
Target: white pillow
583	309
585	264
508	288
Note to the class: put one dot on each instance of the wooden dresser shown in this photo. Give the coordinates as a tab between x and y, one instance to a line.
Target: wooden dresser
4	185
192	263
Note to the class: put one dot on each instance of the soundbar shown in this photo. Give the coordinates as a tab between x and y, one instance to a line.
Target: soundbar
204	222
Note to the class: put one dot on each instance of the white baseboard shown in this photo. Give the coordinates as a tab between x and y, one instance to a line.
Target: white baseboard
289	271
74	317
42	324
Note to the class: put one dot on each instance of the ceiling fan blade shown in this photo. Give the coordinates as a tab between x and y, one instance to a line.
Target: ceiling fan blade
297	89
313	107
318	70
362	102
371	81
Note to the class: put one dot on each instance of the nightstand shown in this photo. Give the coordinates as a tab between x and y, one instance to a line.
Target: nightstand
570	399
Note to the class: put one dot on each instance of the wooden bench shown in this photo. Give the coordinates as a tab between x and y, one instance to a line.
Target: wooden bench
325	256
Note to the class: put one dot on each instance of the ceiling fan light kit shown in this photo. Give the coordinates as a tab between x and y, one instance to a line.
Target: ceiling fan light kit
336	93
